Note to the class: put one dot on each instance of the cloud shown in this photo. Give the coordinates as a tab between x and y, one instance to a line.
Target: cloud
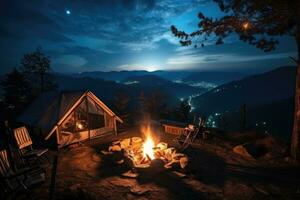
69	60
110	34
190	59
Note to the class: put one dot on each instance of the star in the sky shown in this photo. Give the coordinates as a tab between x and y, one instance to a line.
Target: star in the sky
68	12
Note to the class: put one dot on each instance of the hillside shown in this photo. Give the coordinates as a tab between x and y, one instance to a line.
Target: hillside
264	88
216	78
133	86
186	77
275	118
152	82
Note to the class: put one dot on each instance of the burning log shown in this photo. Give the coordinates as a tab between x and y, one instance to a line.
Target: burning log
141	153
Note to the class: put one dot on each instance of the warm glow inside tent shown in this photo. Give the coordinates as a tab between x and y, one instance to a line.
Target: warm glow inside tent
70	117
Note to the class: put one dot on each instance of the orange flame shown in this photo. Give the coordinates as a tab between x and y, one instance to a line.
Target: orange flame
149	144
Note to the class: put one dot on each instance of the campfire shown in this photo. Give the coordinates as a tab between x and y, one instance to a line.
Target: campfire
142	151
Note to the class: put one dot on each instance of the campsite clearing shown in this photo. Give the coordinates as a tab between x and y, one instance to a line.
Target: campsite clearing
214	173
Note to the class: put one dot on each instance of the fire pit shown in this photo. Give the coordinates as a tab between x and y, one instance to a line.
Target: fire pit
142	151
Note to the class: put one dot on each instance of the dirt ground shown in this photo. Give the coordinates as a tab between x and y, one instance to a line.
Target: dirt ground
214	172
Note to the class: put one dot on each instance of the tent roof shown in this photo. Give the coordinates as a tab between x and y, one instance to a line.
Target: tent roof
51	107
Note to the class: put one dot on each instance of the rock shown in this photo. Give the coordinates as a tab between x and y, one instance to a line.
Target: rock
114	148
241	150
183	162
120	161
169	153
130	174
141	166
106	152
169	165
138	190
179	174
122	182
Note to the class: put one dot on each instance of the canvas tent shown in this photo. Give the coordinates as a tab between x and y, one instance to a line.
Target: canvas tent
70	117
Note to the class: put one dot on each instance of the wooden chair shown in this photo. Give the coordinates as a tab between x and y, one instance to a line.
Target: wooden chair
191	133
14	181
187	137
24	143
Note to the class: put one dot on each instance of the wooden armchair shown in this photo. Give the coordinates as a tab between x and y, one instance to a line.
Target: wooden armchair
187	137
14	181
24	143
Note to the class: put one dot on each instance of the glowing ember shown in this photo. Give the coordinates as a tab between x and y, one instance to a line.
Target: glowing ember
148	146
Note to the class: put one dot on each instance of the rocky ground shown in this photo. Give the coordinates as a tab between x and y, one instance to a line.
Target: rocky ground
214	172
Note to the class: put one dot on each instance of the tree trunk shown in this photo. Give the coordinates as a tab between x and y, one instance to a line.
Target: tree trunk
296	128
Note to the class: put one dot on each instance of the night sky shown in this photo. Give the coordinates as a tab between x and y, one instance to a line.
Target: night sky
89	35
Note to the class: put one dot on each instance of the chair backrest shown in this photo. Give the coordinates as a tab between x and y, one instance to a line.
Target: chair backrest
4	164
22	137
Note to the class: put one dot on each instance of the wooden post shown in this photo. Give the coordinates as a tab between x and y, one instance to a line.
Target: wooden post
115	125
87	116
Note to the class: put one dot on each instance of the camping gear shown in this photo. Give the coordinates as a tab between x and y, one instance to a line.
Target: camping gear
12	181
70	117
24	143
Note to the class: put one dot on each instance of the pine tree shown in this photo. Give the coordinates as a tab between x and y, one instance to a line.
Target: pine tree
37	68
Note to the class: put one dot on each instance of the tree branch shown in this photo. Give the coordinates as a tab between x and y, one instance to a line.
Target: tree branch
294	59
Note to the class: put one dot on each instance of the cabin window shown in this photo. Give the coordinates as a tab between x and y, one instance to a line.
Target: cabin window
96	115
77	120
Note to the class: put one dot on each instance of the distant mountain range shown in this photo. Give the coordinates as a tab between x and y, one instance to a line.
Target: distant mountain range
133	86
193	78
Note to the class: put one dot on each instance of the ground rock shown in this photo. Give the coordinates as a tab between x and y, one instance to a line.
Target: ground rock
130	174
138	190
183	162
114	148
241	150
